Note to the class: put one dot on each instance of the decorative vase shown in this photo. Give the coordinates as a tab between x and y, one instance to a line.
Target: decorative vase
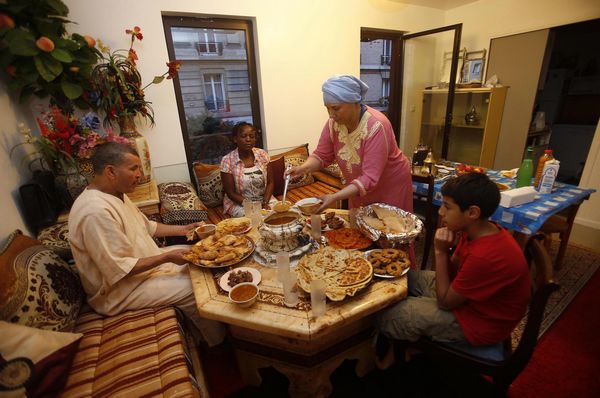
138	141
69	185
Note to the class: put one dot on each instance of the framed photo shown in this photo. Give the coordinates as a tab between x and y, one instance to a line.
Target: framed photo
473	67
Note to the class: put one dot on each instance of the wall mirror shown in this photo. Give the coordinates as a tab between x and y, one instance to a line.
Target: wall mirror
473	67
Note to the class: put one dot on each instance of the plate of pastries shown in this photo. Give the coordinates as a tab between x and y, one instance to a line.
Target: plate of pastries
221	250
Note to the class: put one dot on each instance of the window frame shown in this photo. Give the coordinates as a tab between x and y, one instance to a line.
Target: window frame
202	22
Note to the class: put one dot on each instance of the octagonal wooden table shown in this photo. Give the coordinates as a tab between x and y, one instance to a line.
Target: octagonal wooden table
304	348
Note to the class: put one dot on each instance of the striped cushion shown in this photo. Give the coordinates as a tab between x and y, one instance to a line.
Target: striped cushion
134	354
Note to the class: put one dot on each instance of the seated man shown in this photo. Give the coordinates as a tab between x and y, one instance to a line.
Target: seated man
478	293
120	266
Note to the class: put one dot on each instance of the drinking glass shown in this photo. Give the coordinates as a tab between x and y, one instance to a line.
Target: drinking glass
290	290
283	265
315	226
317	297
256	215
248	207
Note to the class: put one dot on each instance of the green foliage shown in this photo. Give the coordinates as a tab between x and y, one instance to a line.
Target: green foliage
59	66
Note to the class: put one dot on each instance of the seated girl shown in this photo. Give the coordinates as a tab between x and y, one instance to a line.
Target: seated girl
246	173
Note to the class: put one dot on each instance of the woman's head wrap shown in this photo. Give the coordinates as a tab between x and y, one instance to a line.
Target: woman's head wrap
344	88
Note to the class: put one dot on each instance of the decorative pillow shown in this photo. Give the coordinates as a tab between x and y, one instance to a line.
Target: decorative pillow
297	160
37	287
179	204
208	180
34	362
56	237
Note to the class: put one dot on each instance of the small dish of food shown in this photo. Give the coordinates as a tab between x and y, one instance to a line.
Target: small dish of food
281	207
206	230
244	294
309	206
239	275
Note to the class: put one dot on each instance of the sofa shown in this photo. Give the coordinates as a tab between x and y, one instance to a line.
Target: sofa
52	344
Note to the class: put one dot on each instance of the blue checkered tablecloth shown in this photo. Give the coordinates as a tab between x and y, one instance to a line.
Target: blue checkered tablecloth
529	217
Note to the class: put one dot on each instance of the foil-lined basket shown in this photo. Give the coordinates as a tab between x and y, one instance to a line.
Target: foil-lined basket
385	239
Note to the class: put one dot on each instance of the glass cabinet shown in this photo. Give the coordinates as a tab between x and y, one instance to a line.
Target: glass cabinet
476	118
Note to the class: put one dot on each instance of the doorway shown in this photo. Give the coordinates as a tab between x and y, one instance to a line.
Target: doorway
569	94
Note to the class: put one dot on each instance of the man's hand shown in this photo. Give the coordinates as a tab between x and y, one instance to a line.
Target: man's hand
444	240
176	256
190	227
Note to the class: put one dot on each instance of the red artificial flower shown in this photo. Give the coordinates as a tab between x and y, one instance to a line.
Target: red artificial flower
174	67
136	31
132	56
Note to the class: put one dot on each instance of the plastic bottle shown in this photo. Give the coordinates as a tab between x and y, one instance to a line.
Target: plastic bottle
540	166
525	172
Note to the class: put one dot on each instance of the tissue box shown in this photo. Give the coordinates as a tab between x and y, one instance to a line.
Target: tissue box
518	196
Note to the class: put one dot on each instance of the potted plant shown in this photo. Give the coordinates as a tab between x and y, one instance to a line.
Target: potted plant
38	57
117	87
118	84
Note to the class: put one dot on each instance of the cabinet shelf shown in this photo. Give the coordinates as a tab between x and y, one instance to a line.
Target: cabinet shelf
471	144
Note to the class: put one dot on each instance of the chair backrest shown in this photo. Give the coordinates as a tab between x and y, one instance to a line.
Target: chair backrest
424	208
540	267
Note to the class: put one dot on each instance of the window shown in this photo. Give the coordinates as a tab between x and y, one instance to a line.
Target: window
214	93
380	69
214	87
207	43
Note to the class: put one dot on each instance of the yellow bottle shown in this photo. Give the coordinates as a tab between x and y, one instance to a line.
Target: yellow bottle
540	166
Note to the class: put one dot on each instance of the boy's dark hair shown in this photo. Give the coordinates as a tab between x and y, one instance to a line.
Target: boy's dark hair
238	128
110	153
473	189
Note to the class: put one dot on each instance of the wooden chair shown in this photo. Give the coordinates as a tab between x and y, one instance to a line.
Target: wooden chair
504	372
424	208
561	224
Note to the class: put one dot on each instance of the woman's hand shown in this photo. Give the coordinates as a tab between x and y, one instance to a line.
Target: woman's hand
326	202
444	240
295	172
266	206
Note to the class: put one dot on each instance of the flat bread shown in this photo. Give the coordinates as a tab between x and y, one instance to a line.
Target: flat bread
344	271
388	221
234	225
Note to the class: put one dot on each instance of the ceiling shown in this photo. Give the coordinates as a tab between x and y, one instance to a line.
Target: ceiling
439	4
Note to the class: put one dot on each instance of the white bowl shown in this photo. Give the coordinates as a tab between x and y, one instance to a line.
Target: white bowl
245	300
206	230
309	205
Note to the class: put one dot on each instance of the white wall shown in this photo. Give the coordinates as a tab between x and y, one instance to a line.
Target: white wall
13	169
300	44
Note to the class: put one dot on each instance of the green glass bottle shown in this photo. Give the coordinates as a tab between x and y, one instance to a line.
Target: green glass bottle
525	172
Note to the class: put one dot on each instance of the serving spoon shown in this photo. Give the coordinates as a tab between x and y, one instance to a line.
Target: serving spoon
285	186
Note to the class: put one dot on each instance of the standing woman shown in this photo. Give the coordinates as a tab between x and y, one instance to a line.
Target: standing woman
361	140
246	173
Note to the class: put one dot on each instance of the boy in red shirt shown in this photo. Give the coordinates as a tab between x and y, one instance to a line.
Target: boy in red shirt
478	293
